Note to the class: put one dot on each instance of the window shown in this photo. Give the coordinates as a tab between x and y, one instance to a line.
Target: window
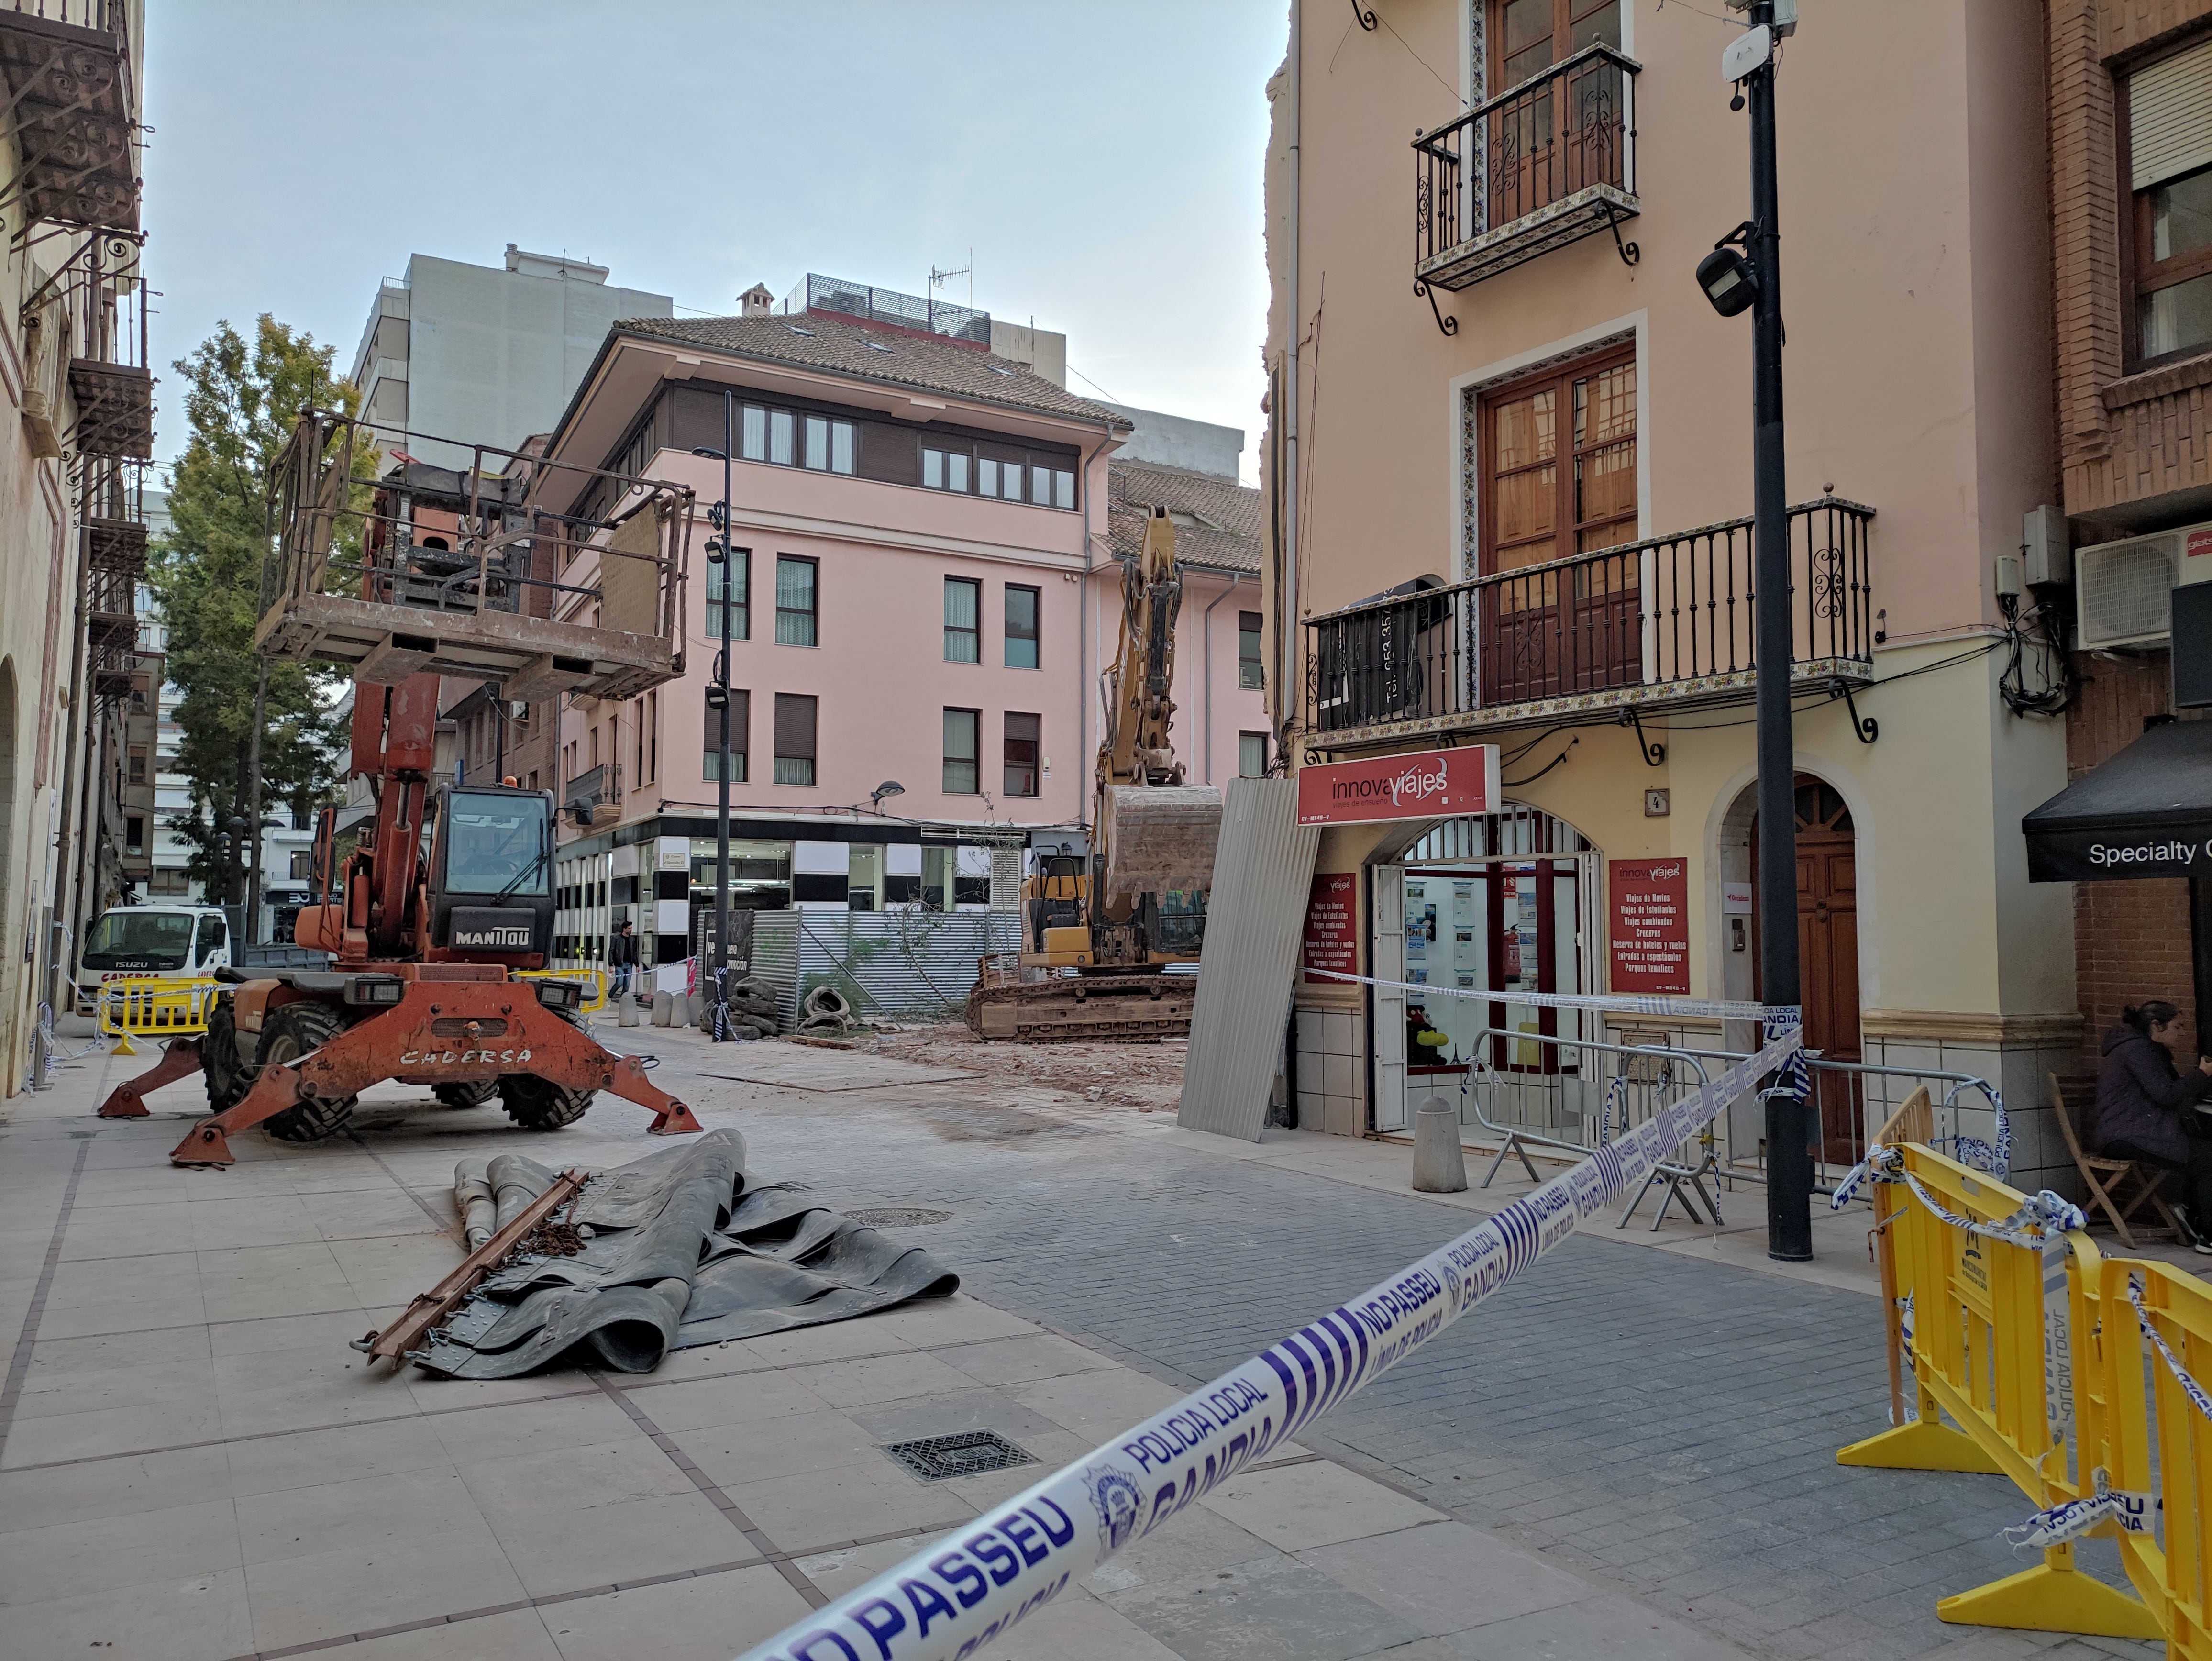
739	577
753	445
1063	488
1010	481
1022	748
137	773
1251	671
933	470
794	738
960	727
134	835
1040	485
817	443
741	712
794	601
986	477
302	865
963	632
1559	137
841	447
1021	627
779	437
955	472
1560	467
1251	755
2169	144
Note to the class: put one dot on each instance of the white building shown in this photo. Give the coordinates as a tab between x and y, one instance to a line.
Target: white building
486	354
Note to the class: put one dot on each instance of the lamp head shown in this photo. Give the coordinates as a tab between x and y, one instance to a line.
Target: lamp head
1728	281
887	787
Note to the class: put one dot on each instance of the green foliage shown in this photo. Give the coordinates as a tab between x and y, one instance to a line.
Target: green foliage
241	399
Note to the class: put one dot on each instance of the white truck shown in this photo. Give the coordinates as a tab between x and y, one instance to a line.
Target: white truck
151	939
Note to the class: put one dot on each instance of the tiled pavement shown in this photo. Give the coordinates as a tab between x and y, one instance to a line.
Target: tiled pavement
1630	1454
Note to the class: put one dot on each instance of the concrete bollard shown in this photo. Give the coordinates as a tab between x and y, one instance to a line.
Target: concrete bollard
695	1010
626	1010
662	1003
1439	1167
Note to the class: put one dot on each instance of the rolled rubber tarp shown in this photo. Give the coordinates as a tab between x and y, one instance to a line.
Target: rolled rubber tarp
680	1248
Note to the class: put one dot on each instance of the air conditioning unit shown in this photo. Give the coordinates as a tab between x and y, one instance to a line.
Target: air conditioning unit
2124	590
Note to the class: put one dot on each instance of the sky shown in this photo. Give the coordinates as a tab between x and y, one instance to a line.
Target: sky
1097	165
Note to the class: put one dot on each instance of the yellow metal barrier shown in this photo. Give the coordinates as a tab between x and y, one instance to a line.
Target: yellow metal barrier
1980	1327
155	1007
594	980
2156	1424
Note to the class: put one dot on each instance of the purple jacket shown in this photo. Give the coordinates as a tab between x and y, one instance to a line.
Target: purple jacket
2140	1098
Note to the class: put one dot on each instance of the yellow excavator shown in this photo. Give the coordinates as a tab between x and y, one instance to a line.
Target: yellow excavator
1103	917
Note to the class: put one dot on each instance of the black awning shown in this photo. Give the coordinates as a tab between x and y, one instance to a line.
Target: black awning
2145	813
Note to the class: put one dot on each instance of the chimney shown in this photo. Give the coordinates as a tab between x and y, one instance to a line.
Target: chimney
757	301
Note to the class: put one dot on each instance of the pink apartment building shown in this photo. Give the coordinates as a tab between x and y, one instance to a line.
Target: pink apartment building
923	586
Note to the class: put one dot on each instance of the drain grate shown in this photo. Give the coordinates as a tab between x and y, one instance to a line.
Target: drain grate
898	1217
936	1458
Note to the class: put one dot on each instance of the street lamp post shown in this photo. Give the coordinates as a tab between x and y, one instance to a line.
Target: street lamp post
718	555
1733	283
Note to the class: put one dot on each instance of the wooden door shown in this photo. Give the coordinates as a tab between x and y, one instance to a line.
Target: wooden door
1827	955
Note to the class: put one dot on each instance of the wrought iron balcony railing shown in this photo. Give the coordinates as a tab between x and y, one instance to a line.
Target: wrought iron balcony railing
1541	165
1664	621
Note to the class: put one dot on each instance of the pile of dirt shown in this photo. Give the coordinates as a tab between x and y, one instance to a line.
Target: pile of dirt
1146	1078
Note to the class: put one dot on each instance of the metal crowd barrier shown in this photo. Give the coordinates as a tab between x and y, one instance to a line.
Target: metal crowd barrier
1634	1097
153	1006
2073	1373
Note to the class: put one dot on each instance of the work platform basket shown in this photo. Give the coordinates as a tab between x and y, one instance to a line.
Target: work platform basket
464	571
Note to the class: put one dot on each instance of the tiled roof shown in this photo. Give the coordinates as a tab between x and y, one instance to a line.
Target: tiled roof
1226	536
839	346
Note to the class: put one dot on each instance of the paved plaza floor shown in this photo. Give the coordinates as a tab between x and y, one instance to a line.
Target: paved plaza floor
1627	1454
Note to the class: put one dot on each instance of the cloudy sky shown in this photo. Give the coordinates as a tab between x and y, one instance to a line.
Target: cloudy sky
1101	163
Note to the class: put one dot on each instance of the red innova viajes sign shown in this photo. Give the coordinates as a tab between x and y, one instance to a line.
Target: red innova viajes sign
1434	784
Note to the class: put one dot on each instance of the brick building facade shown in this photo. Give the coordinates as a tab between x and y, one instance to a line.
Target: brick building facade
2134	440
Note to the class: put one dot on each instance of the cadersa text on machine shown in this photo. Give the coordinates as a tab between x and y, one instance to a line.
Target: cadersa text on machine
2151	853
1411	783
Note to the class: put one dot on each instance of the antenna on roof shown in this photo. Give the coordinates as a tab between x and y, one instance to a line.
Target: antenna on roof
936	277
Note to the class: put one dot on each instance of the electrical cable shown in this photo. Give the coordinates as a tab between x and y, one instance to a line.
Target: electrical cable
2039	627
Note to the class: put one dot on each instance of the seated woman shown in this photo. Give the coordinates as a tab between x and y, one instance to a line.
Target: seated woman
2145	1111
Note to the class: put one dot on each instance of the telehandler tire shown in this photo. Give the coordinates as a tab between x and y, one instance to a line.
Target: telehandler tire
293	1031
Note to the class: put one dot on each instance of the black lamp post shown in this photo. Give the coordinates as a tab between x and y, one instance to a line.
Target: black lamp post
233	858
718	699
1735	283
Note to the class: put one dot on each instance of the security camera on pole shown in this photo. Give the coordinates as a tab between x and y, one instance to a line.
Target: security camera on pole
1744	272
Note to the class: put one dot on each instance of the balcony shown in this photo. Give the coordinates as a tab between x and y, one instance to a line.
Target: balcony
1544	164
69	83
111	604
113	667
114	514
588	792
1663	624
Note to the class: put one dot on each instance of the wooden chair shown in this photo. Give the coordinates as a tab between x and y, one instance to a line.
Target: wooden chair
2118	1188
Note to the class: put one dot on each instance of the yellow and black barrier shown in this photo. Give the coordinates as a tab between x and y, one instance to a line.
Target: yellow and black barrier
593	981
2017	1348
155	1007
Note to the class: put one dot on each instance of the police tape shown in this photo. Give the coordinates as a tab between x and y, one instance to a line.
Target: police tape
968	1588
1624	1003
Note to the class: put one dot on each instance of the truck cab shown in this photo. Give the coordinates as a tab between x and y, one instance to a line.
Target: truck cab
151	939
491	874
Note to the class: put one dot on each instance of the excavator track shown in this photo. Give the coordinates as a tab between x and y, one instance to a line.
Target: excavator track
1124	1009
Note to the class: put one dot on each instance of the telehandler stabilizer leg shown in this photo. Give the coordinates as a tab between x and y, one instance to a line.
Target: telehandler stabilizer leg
128	1101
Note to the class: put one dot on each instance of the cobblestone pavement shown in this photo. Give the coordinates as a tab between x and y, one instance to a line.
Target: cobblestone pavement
1666	1423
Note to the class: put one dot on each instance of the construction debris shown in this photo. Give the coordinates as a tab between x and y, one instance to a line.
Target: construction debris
679	1249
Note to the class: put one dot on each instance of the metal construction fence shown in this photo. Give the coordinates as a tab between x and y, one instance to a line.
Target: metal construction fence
902	965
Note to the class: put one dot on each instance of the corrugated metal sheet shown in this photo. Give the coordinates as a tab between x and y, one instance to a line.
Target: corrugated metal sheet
1254	924
913	965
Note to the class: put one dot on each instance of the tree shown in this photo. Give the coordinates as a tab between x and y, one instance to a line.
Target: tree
242	402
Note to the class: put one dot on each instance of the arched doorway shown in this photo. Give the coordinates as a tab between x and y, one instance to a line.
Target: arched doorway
1827	952
1502	903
